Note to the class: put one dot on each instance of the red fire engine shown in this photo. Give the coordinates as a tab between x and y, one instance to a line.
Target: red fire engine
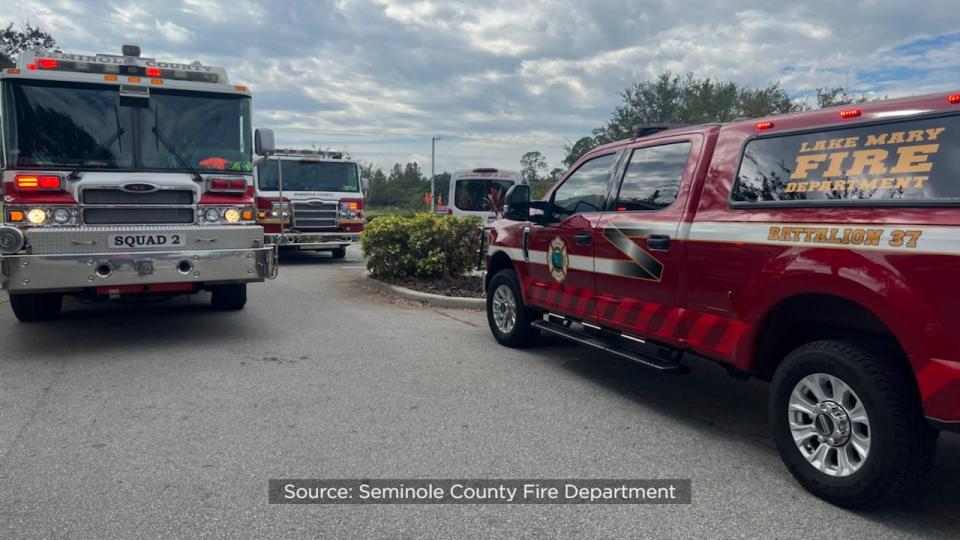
817	250
126	176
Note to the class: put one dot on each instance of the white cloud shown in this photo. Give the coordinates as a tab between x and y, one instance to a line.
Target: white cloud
498	78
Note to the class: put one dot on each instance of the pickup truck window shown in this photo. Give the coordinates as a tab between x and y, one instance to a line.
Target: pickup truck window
585	189
653	177
909	161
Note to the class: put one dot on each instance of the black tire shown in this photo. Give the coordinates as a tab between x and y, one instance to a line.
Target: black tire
35	307
521	334
231	297
339	253
902	445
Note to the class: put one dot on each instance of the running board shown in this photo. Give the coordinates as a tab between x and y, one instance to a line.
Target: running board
583	338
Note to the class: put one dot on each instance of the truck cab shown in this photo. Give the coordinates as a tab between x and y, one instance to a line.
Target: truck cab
125	176
815	250
310	200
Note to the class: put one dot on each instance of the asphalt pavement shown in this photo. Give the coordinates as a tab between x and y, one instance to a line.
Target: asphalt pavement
168	419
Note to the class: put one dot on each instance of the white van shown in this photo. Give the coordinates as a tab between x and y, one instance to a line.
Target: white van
471	191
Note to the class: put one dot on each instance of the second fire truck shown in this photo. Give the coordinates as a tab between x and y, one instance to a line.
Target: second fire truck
310	200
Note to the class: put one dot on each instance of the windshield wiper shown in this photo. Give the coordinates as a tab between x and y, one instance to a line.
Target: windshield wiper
75	173
170	147
173	150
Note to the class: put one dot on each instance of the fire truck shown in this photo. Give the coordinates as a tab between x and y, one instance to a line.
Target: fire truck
310	200
818	250
126	177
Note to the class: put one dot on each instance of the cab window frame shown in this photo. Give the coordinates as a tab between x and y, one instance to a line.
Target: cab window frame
614	171
617	186
841	203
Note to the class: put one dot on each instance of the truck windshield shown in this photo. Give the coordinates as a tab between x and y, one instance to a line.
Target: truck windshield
309	175
55	124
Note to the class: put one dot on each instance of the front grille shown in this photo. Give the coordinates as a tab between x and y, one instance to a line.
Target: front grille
314	216
119	196
136	216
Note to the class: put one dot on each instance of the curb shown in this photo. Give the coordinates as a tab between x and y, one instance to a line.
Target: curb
437	300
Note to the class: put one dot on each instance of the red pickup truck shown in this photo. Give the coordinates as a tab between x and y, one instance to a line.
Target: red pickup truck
817	250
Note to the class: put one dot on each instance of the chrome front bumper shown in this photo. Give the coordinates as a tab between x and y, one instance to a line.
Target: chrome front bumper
313	240
22	273
70	259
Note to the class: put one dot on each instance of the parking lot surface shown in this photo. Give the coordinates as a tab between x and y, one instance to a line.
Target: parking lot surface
168	419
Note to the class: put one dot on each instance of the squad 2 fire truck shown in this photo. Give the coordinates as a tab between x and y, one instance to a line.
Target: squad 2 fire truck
310	200
818	250
125	176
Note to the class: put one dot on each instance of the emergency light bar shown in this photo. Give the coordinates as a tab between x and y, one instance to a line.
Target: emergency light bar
54	64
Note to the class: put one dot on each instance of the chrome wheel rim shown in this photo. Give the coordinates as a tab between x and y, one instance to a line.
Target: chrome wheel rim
829	425
504	309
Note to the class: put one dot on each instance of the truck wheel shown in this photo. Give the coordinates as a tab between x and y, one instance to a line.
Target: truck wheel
849	425
33	307
508	317
230	297
339	253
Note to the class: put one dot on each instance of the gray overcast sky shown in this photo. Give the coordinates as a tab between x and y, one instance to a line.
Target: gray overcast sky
497	79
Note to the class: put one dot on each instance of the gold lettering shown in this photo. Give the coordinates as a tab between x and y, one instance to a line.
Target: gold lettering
869	184
774	233
791	187
868	158
933	133
915	136
836	164
875	140
807	163
886	183
873	237
914	159
896	138
851	142
820	145
835	144
919	181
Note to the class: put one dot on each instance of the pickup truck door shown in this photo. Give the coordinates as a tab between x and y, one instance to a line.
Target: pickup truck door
637	258
560	254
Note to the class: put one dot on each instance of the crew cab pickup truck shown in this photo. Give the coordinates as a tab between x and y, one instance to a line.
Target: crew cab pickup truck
818	250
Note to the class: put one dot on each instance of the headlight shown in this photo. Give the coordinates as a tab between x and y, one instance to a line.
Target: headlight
211	214
61	216
37	216
232	215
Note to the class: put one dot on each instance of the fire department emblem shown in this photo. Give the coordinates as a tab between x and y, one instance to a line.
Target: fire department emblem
558	260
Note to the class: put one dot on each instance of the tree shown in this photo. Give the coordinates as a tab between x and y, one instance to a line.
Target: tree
673	99
531	164
576	150
838	95
13	41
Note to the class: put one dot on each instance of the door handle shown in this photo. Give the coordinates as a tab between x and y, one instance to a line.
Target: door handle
658	242
584	238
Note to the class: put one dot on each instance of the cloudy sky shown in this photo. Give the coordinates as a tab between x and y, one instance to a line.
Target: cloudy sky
498	78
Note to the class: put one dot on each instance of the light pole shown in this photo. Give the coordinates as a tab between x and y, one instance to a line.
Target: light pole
433	188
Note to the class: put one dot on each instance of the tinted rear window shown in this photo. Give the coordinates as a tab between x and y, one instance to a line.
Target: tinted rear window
908	161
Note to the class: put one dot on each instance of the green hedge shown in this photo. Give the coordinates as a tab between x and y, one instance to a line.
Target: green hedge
425	246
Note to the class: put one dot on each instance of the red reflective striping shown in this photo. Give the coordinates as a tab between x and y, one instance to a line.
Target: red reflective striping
670	323
704	323
646	315
732	337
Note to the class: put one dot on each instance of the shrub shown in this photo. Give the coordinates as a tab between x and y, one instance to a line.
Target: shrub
424	246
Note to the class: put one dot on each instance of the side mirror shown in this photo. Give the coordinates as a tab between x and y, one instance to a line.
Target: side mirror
517	203
364	185
263	143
